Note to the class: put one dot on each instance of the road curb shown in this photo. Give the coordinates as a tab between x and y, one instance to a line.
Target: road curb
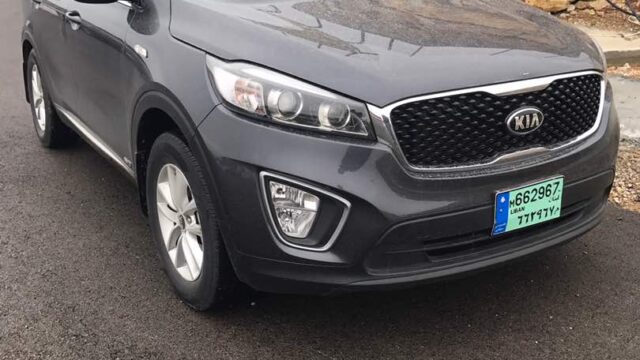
621	56
615	46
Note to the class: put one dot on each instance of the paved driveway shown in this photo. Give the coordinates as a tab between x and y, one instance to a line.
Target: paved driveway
627	97
79	279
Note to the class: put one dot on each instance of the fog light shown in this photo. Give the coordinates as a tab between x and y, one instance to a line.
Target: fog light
295	209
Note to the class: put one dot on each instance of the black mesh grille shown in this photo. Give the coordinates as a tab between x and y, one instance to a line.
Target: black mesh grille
471	128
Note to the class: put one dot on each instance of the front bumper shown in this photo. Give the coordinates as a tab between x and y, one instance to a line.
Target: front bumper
403	227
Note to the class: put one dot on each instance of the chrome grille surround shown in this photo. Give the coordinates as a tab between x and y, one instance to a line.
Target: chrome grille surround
381	118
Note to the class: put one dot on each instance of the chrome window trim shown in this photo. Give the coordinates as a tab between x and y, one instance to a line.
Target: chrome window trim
381	119
274	225
94	139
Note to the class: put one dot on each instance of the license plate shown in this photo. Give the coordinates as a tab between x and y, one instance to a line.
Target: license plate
528	205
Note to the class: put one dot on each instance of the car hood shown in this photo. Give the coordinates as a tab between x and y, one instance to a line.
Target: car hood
381	51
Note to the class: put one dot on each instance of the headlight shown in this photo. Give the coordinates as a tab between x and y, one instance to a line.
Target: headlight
271	96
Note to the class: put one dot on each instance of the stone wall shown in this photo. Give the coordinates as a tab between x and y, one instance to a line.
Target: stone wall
555	6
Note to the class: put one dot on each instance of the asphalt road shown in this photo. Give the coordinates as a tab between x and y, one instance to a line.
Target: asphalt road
80	279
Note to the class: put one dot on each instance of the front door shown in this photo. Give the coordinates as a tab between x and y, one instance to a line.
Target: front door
98	45
51	33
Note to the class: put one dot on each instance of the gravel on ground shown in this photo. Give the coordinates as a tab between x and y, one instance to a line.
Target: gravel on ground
605	19
626	189
628	70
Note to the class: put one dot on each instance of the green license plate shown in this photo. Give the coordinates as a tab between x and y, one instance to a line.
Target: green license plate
528	205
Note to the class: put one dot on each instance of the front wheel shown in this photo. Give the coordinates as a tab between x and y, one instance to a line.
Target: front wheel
183	224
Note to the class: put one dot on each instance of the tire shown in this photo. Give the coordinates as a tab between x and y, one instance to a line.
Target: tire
170	158
51	131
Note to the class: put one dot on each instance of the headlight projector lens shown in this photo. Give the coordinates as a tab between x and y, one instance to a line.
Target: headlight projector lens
334	115
284	105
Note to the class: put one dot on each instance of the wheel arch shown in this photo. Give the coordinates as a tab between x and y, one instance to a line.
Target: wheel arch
158	111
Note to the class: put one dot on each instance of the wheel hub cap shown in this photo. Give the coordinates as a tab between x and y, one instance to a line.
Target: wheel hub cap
179	222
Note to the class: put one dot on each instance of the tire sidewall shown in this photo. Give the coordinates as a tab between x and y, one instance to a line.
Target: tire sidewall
169	149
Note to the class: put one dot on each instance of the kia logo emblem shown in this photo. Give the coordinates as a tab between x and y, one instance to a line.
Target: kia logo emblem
525	120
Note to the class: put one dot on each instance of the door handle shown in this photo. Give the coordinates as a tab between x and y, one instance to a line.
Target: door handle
37	2
73	17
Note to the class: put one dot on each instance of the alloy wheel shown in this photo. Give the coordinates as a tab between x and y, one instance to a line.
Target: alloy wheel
38	98
179	222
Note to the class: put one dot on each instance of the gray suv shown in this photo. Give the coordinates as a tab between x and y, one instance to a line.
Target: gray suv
317	147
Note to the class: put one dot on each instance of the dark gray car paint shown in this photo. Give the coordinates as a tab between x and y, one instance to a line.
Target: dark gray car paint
396	54
171	64
379	52
370	176
97	48
52	35
116	86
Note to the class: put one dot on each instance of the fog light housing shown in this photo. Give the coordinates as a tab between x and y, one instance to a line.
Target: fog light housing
295	209
301	215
